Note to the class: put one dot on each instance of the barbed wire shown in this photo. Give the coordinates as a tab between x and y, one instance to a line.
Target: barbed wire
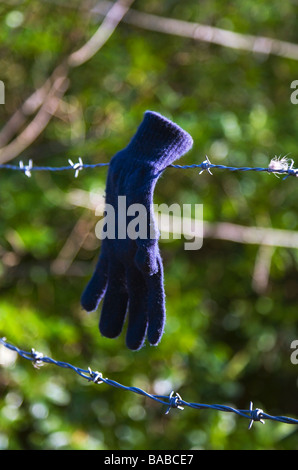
277	166
173	400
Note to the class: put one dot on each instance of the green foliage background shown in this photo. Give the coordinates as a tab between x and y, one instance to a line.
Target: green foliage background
225	341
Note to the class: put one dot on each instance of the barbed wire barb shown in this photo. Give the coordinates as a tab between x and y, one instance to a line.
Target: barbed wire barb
26	169
256	415
77	166
36	358
206	166
174	400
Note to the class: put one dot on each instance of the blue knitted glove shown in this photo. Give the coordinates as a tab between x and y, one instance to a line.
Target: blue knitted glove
129	272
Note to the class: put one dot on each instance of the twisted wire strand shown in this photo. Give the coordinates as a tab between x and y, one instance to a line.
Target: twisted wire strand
173	400
278	169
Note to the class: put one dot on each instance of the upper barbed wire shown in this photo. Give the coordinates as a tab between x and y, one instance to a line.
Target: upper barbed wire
277	165
173	400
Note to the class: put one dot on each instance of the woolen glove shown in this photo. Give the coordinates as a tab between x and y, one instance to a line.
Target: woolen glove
129	272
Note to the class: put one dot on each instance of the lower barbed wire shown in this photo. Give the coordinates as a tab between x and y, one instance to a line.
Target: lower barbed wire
171	401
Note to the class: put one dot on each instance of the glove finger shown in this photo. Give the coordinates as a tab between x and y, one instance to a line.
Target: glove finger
115	302
96	287
138	303
156	305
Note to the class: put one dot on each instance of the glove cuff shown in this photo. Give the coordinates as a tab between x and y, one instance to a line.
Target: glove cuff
159	140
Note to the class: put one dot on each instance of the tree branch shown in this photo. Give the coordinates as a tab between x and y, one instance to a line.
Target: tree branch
206	33
39	123
252	235
49	94
108	26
